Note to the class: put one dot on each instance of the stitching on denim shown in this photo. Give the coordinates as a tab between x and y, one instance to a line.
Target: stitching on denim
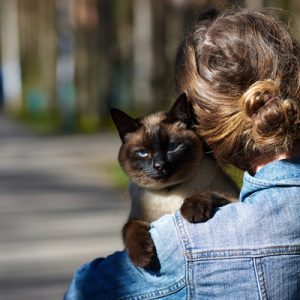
264	183
190	281
263	280
181	234
256	277
172	289
182	230
260	279
240	253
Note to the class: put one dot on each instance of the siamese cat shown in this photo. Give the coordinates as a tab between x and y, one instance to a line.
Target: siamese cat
168	170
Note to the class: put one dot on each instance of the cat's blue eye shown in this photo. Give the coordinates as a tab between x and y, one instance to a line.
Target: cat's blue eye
142	153
173	146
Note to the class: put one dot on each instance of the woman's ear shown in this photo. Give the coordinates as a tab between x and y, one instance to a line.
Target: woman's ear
124	123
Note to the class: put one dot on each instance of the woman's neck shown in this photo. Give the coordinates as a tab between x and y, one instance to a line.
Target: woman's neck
261	163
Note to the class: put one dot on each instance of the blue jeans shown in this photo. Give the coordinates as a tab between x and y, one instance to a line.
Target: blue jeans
248	250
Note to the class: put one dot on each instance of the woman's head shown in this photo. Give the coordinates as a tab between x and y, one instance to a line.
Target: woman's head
241	70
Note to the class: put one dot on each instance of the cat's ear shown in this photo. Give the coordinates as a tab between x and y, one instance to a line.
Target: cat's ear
124	123
182	111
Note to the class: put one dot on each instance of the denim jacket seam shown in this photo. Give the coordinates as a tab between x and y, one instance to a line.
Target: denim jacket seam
183	235
240	253
185	244
163	292
266	183
261	282
190	280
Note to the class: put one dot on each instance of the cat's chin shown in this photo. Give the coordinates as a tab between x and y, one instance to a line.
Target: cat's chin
158	184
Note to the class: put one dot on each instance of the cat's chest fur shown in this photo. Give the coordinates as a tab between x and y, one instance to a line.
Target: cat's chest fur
149	205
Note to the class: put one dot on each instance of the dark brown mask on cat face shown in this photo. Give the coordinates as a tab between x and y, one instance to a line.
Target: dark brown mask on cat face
160	150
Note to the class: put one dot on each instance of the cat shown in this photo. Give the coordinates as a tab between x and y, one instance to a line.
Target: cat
168	170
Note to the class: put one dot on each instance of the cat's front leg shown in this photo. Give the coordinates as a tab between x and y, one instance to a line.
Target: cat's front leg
139	244
202	206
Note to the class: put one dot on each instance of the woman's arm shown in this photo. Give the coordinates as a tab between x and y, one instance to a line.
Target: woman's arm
115	277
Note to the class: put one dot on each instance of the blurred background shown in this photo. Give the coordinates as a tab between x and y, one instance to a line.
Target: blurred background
63	64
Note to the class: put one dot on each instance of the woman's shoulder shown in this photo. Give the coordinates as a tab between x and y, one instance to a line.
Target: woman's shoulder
265	219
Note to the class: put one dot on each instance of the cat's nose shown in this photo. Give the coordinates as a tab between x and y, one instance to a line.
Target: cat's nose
159	165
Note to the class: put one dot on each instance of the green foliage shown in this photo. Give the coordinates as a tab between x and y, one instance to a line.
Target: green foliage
44	123
236	174
117	175
88	124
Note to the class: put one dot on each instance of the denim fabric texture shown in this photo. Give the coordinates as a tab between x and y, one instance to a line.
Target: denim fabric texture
248	250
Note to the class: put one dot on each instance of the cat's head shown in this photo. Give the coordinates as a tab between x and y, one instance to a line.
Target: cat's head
159	150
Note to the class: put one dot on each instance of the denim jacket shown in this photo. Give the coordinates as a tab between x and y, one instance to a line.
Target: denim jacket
248	250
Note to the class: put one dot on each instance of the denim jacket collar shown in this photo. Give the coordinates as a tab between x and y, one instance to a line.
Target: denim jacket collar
284	172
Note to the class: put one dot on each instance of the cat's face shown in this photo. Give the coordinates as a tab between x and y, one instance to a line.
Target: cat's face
159	150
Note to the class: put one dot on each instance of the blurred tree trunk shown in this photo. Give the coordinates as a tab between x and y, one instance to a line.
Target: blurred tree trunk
168	23
10	53
295	8
103	58
254	4
87	61
116	54
65	67
38	40
143	63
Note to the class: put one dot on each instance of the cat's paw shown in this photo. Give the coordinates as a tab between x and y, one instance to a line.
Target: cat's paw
142	253
202	206
139	245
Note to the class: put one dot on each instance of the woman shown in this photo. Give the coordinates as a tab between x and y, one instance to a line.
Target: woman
241	70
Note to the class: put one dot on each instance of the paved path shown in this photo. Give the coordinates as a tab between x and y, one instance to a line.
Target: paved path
58	209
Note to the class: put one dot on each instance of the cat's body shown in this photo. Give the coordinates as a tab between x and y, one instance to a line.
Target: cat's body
166	163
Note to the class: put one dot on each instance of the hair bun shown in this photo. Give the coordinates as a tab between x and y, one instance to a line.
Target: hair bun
274	121
259	94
